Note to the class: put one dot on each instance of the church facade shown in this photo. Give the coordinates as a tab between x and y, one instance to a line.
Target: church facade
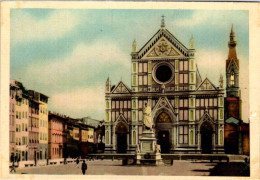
187	111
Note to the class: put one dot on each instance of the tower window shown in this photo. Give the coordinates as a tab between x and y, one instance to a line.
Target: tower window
232	79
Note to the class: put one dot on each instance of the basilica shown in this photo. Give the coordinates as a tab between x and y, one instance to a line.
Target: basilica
187	111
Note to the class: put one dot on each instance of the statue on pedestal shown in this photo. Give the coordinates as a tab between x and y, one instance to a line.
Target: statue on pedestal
147	117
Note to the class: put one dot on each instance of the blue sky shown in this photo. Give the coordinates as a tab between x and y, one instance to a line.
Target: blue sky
68	54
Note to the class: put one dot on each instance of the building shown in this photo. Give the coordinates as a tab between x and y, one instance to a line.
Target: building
236	131
187	111
43	126
56	139
21	121
13	95
33	146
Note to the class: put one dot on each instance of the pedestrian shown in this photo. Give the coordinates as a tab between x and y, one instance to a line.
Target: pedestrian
77	162
13	161
84	167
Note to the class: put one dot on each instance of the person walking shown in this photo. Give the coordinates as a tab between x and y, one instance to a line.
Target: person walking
13	161
84	167
77	162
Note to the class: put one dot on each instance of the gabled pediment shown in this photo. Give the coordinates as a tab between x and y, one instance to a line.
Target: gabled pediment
121	118
207	120
163	44
163	102
121	88
206	85
163	48
232	65
121	125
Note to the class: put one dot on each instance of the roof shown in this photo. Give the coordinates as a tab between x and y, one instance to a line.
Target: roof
232	120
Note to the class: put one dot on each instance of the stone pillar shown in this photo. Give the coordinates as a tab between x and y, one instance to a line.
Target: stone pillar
134	76
176	75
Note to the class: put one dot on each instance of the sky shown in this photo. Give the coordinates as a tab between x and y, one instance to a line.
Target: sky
68	54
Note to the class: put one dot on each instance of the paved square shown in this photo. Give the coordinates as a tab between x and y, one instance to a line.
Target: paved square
109	167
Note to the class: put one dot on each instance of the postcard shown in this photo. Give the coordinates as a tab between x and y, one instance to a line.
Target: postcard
116	90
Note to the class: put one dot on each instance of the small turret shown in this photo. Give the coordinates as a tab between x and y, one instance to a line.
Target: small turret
108	85
192	42
221	81
134	46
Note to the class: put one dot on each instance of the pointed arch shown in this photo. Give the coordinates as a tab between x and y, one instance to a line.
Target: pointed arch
121	127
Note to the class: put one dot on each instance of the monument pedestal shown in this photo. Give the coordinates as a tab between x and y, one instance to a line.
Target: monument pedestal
148	151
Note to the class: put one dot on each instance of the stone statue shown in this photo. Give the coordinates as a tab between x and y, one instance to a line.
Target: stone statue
147	117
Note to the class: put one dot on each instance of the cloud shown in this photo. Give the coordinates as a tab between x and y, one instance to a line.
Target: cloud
86	101
25	27
85	61
216	19
196	18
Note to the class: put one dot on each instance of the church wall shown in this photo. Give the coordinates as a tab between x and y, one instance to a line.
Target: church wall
187	104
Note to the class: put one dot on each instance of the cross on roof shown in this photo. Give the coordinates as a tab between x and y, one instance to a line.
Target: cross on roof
207	83
162	21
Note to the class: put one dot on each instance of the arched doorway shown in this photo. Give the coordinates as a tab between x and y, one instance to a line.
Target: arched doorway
163	124
121	133
206	132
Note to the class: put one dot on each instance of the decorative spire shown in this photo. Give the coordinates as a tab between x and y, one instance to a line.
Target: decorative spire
162	22
108	85
192	42
232	37
232	54
134	46
221	81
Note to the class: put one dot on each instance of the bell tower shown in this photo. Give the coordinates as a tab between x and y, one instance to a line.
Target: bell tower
232	68
233	101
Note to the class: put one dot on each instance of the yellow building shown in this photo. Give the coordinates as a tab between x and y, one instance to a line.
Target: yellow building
84	136
90	135
43	126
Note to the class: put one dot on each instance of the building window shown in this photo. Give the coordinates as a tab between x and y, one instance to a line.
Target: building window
142	80
140	115
134	137
183	65
183	79
191	137
232	79
183	134
142	67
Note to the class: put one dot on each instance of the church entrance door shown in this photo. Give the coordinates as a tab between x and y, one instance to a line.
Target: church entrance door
121	142
121	132
206	138
163	140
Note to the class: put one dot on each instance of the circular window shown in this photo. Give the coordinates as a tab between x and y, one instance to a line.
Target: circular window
163	73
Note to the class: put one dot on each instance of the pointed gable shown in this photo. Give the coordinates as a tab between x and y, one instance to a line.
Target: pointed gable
163	44
232	63
206	117
206	85
163	102
121	88
163	48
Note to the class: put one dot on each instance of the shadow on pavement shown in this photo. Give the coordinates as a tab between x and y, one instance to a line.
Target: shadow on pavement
231	169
